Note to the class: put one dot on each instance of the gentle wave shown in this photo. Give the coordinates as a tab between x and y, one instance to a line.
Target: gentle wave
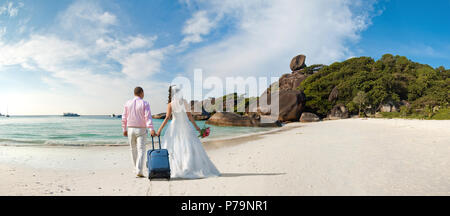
17	142
86	131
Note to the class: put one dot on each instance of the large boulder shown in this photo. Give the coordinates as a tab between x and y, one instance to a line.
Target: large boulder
309	117
291	104
389	106
338	112
291	81
334	94
298	62
200	117
233	119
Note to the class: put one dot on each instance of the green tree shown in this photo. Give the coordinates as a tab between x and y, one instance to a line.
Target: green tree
360	99
391	78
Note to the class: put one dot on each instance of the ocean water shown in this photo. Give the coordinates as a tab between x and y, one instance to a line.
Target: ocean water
84	131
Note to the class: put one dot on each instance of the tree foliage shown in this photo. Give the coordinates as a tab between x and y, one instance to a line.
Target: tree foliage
390	79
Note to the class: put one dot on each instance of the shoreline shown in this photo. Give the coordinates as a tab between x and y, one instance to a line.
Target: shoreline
206	142
237	140
216	143
209	143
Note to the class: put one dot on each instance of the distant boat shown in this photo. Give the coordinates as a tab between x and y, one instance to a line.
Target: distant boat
115	116
7	115
71	115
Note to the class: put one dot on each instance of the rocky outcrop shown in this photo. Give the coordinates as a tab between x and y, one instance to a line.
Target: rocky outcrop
220	104
159	116
233	119
338	112
199	116
389	106
291	100
291	105
334	94
298	62
196	116
291	81
309	117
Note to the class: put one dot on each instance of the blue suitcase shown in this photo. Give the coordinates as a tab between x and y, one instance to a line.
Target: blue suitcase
158	162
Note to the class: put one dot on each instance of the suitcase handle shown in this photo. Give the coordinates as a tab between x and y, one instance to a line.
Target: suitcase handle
153	144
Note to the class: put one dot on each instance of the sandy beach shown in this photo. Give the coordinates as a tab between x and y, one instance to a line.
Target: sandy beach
344	157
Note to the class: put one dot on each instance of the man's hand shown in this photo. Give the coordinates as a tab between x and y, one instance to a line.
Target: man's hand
153	133
125	133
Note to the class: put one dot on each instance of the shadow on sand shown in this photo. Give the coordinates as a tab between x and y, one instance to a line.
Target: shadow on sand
249	174
228	175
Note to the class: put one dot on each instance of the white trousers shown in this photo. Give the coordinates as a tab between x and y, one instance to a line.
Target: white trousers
137	138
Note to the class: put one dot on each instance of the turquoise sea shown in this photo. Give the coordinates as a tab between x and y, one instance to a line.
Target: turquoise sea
84	131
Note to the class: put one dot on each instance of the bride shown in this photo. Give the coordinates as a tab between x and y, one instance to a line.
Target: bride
188	158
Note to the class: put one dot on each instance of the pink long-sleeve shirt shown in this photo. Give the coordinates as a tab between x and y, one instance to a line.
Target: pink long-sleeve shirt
136	113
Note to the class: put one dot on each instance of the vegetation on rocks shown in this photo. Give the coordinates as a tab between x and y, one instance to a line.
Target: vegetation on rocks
364	84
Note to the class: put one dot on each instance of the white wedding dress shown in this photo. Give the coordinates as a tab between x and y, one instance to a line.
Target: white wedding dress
187	157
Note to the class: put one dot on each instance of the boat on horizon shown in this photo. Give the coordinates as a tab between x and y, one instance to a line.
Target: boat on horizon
70	115
115	116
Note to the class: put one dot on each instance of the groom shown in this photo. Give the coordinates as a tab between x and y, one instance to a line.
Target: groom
136	118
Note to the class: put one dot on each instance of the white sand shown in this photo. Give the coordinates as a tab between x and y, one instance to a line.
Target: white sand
345	157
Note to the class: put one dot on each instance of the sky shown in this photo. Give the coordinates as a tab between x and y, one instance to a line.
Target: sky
86	56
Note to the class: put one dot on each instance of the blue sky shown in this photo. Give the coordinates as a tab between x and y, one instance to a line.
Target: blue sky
86	56
417	29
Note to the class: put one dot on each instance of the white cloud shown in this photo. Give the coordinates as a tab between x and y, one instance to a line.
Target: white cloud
119	48
107	19
142	65
45	52
86	21
85	59
267	34
10	9
84	10
196	27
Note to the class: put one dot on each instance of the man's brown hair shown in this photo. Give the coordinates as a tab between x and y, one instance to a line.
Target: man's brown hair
138	90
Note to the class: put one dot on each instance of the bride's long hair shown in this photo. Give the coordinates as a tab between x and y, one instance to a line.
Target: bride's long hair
172	91
170	95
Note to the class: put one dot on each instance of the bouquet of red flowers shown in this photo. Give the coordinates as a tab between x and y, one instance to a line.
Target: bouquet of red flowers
204	132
